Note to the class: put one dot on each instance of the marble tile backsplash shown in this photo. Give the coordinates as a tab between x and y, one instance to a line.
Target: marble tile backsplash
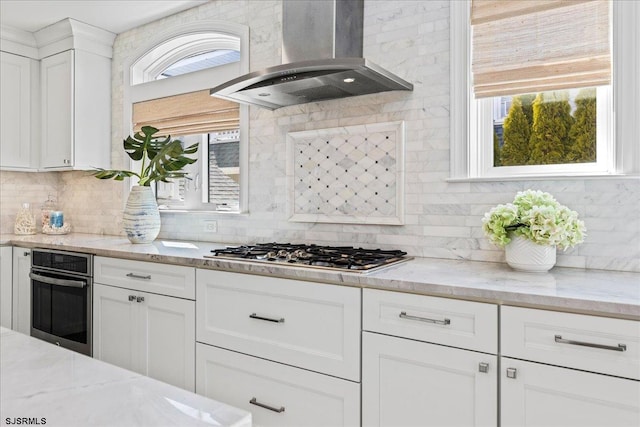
442	219
17	188
350	174
89	205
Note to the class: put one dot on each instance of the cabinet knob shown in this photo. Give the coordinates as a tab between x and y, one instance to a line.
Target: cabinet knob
132	297
26	253
483	367
511	373
140	299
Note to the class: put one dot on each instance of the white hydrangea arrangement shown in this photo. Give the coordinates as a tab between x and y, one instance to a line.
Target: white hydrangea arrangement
537	216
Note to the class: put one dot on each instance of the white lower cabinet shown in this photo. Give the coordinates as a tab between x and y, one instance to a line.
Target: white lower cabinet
276	394
21	321
286	350
534	394
146	333
6	283
411	383
570	370
428	361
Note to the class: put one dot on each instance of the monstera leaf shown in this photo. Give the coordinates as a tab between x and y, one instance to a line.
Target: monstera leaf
161	158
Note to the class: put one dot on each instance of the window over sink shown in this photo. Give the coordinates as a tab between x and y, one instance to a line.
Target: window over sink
168	89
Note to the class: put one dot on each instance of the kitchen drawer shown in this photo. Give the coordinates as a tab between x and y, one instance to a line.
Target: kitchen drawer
309	325
463	324
164	279
294	397
597	344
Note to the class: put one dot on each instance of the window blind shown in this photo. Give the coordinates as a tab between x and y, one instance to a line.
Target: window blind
525	46
187	114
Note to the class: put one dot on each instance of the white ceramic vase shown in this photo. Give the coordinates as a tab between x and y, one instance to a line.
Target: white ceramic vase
141	219
524	255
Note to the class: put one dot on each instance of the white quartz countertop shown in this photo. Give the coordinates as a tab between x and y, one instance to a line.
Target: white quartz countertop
60	387
597	292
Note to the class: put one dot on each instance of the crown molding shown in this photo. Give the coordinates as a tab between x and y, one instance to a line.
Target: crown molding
71	34
55	38
19	42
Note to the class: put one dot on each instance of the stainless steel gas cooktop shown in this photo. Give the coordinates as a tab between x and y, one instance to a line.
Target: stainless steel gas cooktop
341	258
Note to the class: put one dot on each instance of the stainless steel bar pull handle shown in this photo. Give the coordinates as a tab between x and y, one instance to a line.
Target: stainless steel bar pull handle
268	319
254	401
58	282
137	276
620	347
404	315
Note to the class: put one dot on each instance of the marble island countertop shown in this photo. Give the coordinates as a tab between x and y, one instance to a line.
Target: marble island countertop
598	292
59	387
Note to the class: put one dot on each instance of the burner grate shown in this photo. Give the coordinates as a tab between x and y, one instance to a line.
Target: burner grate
331	257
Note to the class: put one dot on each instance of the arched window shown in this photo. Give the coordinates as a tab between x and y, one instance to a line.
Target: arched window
185	54
168	88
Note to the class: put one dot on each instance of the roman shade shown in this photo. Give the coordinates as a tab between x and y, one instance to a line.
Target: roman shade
525	46
187	114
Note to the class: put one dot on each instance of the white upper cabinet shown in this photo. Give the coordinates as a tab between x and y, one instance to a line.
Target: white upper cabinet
75	78
76	110
56	98
19	84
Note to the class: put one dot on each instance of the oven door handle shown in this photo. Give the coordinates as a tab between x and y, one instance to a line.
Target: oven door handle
58	282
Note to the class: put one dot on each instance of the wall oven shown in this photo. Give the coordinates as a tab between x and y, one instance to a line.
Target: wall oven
61	289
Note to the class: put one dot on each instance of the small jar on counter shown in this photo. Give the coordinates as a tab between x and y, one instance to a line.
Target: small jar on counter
25	221
45	212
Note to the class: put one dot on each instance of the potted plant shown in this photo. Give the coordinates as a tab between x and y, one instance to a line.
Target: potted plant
161	159
531	228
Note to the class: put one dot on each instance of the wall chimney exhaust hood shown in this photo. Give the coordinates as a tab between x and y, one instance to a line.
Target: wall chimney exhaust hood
321	57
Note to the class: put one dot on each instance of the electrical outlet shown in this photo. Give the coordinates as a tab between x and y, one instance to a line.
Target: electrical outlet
210	226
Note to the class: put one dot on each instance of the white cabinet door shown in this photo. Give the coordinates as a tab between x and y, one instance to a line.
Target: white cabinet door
146	333
276	394
168	335
6	282
21	290
410	383
16	148
76	111
115	331
544	395
57	78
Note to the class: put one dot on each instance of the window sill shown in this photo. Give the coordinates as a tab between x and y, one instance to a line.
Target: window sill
546	178
203	212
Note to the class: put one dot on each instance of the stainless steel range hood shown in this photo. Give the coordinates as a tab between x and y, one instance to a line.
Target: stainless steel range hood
321	56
